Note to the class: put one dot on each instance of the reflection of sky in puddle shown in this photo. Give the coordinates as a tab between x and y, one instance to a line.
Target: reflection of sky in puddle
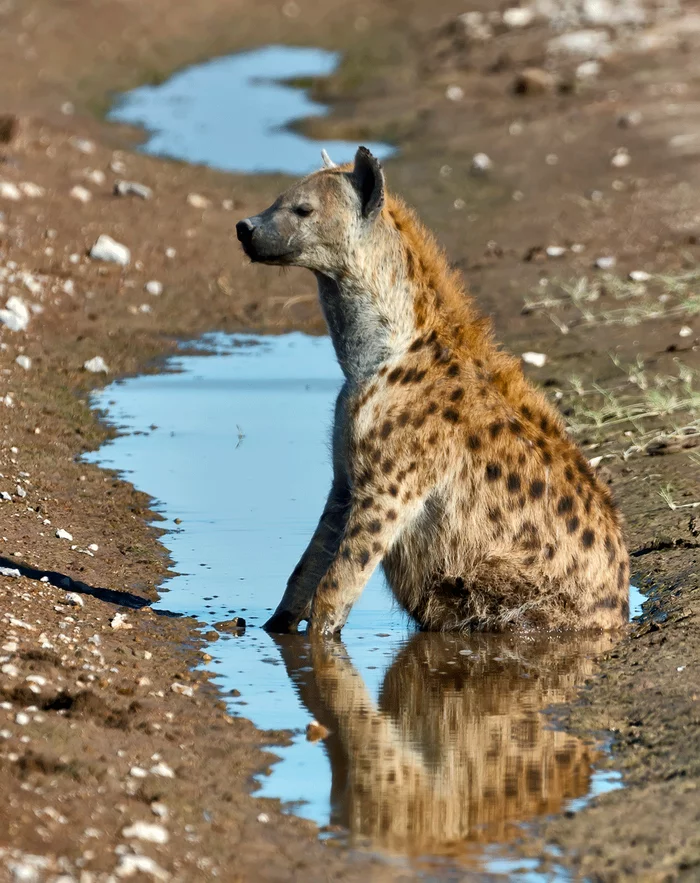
230	113
435	727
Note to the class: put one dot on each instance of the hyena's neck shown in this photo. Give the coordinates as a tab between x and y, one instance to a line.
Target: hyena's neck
369	307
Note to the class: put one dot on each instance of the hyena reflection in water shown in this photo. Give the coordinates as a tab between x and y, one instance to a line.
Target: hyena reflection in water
456	750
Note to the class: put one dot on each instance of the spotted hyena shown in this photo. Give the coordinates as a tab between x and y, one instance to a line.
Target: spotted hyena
449	468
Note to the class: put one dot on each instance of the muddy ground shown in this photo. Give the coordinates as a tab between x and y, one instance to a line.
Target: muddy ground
101	727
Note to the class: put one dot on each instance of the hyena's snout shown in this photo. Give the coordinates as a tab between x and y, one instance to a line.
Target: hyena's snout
264	241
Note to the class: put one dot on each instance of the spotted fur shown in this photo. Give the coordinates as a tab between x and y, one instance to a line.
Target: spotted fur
450	468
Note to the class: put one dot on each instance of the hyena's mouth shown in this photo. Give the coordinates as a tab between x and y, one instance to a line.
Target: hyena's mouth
261	248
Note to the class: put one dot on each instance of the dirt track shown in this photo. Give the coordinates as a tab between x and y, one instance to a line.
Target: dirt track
553	183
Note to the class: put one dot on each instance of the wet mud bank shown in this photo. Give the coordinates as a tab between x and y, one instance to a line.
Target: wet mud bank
90	720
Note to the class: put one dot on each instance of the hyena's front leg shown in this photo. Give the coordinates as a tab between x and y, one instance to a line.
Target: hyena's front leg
303	582
380	507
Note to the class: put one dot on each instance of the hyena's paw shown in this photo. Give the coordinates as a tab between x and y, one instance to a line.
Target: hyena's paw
282	623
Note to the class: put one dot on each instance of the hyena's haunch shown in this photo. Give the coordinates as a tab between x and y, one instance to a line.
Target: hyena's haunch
449	468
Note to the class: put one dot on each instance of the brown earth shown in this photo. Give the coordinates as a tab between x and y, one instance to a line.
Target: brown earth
106	706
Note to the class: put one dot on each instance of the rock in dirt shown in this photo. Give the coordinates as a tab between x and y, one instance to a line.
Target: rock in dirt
607	262
82	194
63	534
518	17
590	43
118	621
16	314
539	360
24	362
132	188
10	191
96	365
131	865
74	599
108	249
154	287
534	81
8	127
481	163
196	200
148	831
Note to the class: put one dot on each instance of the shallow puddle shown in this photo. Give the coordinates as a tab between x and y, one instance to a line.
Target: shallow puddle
438	749
233	113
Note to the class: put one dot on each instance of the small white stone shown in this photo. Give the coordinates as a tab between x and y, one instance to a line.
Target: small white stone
82	194
539	360
22	719
107	249
138	772
10	571
160	810
148	831
590	43
163	770
606	262
170	252
10	191
63	534
132	188
10	670
93	547
33	191
481	163
118	621
685	331
130	865
96	365
83	145
36	679
16	314
620	159
74	599
454	93
556	251
182	689
24	362
588	70
154	287
97	176
640	276
518	17
263	818
196	200
10	647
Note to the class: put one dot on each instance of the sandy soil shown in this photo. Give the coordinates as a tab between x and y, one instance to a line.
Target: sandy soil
84	703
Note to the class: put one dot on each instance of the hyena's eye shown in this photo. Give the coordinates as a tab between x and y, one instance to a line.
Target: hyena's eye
303	210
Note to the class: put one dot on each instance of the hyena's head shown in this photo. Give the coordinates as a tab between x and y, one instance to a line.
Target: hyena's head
321	220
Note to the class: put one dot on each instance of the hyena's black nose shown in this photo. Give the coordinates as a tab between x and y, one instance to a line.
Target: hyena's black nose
244	231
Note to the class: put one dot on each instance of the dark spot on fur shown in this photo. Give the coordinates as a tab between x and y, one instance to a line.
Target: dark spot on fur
493	471
394	490
451	415
403	418
417	344
625	608
513	483
363	558
391	515
374	526
376	547
573	524
395	375
409	376
537	488
473	442
544	424
549	551
346	553
385	431
431	408
432	438
495	429
420	375
526	412
515	426
521	459
610	549
387	466
355	530
622	575
565	505
457	394
419	421
382	371
588	504
452	369
494	514
587	538
366	503
569	473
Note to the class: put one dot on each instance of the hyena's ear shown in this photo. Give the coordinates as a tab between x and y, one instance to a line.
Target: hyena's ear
368	178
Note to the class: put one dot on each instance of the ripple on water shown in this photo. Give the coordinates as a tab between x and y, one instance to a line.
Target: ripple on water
437	746
233	113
